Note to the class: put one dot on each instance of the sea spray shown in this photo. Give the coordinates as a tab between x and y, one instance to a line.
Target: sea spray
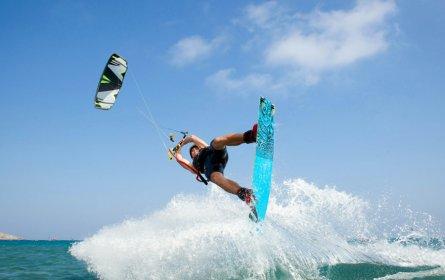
210	237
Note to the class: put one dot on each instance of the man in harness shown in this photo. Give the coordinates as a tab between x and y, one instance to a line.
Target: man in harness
211	160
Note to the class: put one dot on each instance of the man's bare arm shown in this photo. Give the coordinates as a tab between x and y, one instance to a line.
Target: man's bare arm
196	140
185	163
180	158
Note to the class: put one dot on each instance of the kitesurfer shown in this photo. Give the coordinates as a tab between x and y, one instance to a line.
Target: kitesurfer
212	159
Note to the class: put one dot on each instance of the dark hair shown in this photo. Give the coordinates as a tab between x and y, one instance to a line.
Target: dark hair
191	148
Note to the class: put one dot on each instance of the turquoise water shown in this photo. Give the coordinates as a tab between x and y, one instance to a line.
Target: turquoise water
51	260
40	260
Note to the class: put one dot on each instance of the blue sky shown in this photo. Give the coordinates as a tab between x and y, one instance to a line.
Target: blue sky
358	86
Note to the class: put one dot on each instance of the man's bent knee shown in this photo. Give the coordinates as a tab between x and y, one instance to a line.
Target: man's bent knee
219	143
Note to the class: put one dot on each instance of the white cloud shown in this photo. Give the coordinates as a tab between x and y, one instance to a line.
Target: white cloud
297	49
261	14
334	39
223	80
191	49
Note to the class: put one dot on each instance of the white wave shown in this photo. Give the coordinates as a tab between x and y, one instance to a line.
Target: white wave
210	237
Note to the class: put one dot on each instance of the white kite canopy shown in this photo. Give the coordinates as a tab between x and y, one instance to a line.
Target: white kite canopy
110	82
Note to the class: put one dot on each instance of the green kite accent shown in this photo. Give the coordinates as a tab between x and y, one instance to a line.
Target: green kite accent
104	80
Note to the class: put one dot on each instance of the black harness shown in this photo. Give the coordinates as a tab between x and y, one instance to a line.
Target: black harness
199	160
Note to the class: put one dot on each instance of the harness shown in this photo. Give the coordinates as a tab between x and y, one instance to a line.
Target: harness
199	160
198	174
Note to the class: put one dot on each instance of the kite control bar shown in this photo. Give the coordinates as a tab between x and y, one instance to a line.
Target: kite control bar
172	152
172	135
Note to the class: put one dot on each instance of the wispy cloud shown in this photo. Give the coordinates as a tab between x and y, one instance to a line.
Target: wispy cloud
191	49
261	15
224	81
307	45
334	39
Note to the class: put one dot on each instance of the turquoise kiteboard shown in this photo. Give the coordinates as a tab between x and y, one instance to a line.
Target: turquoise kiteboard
262	171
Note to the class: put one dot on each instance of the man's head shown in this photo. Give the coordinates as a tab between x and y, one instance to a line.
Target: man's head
194	151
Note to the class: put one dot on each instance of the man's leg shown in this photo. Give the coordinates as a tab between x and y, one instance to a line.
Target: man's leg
231	186
226	184
234	139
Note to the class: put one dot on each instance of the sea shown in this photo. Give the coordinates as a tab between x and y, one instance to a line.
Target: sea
310	232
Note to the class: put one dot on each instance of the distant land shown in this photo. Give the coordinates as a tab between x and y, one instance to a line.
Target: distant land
5	236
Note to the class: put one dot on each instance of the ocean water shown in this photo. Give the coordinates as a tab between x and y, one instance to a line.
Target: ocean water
310	233
28	259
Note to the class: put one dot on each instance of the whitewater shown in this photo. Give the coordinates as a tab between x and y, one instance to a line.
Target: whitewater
310	232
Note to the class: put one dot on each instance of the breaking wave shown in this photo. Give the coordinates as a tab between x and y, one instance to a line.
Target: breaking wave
309	233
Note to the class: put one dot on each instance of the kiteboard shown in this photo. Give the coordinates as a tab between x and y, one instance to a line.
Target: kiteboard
262	170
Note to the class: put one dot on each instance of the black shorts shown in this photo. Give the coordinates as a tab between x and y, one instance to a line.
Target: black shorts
216	161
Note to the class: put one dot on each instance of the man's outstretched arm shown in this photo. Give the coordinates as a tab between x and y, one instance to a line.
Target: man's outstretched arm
195	140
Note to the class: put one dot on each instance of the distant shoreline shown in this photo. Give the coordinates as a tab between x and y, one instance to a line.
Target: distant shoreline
41	240
5	236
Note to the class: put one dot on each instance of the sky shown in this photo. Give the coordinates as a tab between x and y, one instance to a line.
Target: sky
358	87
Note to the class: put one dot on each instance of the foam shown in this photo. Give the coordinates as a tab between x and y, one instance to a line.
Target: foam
210	237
